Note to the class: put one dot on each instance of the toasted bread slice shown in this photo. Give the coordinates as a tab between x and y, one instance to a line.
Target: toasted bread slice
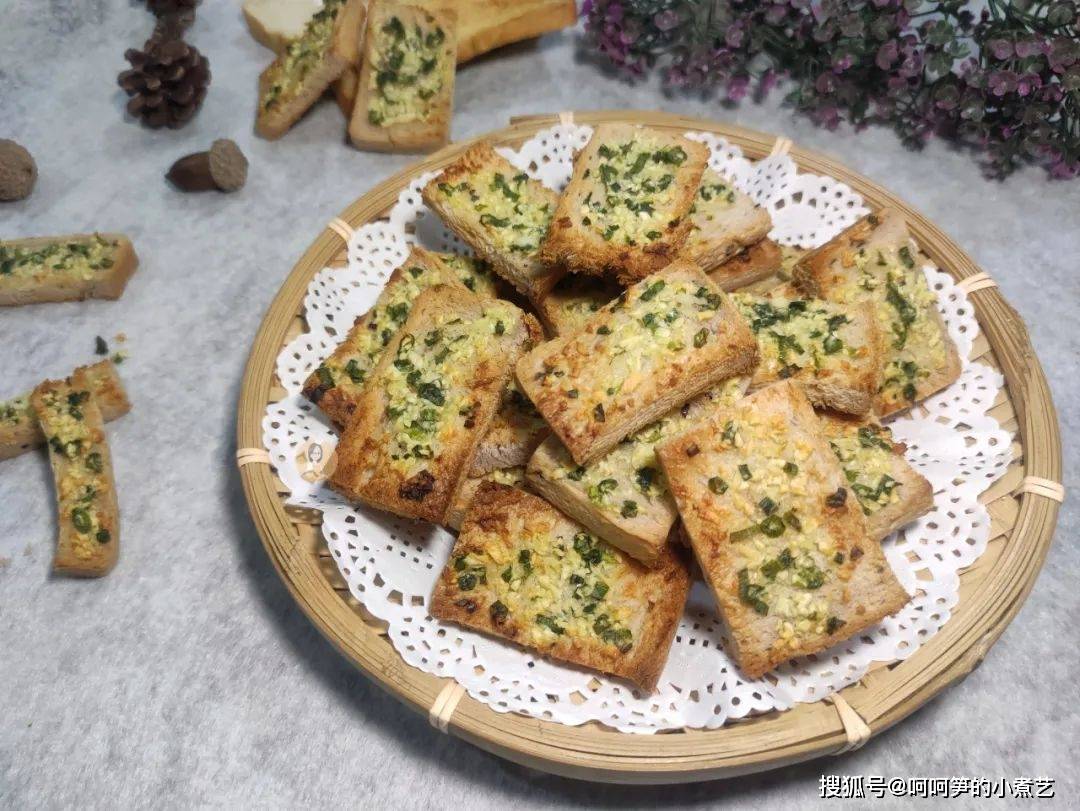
405	90
19	428
780	538
626	210
575	299
723	222
65	268
892	493
474	273
523	571
500	212
752	264
336	384
89	520
509	476
305	69
875	261
517	428
831	350
428	402
662	342
623	496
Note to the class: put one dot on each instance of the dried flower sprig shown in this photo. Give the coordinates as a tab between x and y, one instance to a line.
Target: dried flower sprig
1006	82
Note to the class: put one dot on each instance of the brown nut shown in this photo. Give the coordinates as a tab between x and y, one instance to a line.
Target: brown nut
18	172
223	167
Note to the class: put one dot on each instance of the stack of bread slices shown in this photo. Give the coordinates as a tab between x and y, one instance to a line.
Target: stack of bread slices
627	374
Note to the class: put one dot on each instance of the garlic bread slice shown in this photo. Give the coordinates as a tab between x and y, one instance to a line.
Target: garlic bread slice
65	268
522	571
662	342
876	262
626	211
428	402
780	537
723	222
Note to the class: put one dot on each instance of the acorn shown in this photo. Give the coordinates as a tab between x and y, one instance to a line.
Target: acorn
18	172
223	167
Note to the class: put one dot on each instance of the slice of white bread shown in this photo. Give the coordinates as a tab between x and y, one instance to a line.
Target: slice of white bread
336	384
575	299
875	261
892	493
19	428
405	89
723	221
831	350
780	538
89	522
662	342
626	210
500	212
428	402
623	496
523	571
65	268
517	428
304	70
274	23
510	476
752	264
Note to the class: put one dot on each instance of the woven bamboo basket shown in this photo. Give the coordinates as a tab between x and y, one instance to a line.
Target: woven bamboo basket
1023	507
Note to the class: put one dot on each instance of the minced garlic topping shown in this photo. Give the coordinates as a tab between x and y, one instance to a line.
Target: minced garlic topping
513	210
407	73
81	259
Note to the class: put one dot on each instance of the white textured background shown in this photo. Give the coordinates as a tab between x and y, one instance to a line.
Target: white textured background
188	676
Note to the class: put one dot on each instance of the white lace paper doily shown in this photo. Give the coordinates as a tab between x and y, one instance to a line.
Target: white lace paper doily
391	564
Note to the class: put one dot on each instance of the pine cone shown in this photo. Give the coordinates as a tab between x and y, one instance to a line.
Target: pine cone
167	82
160	7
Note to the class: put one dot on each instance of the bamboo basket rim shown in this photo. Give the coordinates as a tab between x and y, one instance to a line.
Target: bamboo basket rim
882	698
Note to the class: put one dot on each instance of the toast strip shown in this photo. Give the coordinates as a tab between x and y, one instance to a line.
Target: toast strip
723	221
831	350
575	299
405	90
752	264
517	428
19	428
523	571
88	516
891	492
781	541
875	262
500	212
662	342
336	385
627	208
65	268
623	496
428	402
309	64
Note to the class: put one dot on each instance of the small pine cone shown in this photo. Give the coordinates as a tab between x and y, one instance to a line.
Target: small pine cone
167	82
161	7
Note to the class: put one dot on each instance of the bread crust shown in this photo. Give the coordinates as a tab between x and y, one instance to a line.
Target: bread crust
658	594
592	421
751	264
841	380
340	400
525	272
366	472
20	431
273	123
580	248
831	557
916	495
823	272
107	285
407	136
455	514
75	555
719	231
